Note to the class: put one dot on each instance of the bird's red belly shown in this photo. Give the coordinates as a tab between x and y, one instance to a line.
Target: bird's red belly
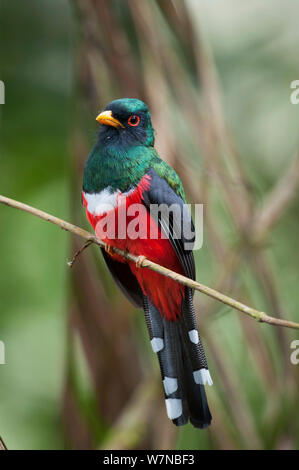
165	293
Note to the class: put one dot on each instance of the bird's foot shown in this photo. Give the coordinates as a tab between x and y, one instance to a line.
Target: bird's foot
109	250
140	260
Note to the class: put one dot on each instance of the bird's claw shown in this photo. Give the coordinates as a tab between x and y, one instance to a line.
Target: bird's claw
140	260
109	250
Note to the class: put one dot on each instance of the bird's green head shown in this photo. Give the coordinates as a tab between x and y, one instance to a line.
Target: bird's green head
126	122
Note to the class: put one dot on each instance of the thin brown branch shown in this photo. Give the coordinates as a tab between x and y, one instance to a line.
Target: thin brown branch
78	253
145	263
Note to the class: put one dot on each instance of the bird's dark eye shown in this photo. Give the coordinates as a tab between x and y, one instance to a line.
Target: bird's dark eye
134	120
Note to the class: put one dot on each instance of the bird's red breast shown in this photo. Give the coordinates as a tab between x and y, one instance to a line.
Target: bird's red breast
165	293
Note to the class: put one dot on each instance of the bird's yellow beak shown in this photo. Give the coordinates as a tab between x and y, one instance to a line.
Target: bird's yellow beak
107	119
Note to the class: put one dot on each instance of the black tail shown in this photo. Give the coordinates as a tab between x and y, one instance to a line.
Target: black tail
183	364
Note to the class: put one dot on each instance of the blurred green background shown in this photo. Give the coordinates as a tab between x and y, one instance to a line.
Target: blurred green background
217	77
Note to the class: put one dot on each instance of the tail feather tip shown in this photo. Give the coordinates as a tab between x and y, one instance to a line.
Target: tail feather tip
174	407
202	377
157	344
170	385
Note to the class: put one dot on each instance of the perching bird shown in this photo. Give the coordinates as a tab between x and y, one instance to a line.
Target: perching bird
124	171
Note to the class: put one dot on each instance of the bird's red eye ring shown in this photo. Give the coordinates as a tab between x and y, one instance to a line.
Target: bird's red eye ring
134	120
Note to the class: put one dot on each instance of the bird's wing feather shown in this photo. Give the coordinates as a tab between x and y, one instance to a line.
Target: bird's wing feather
176	224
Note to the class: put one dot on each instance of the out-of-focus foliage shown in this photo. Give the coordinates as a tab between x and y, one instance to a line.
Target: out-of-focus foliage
217	76
35	63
